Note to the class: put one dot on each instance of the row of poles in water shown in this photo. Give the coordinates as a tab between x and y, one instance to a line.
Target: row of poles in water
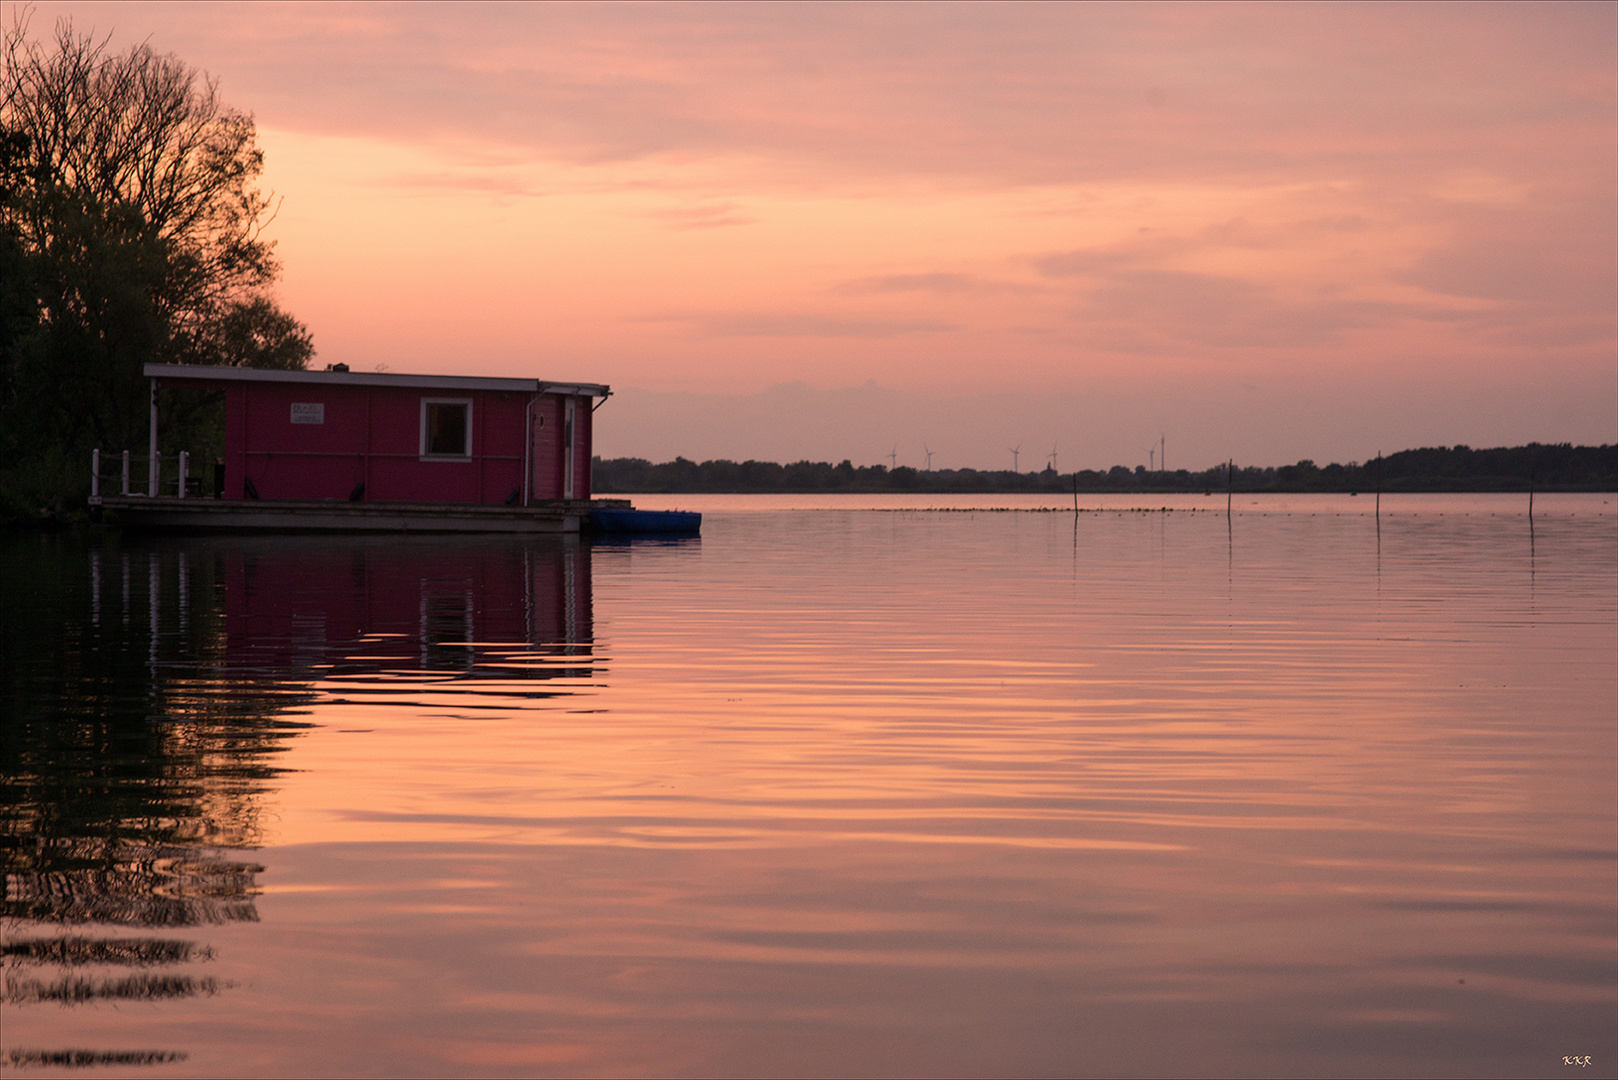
1230	489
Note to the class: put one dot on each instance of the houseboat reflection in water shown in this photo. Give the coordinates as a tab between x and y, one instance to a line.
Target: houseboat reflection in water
152	694
319	607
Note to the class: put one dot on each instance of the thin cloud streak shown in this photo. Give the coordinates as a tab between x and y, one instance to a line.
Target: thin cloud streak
817	325
947	284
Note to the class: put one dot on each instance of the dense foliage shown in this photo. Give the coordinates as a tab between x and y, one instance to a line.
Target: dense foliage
130	233
1560	467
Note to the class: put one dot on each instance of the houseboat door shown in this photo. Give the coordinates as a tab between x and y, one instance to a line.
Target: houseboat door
538	476
568	404
550	448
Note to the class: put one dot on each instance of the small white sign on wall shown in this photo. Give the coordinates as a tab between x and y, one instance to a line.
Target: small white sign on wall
307	413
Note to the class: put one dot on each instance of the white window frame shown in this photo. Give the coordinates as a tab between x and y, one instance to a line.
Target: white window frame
467	403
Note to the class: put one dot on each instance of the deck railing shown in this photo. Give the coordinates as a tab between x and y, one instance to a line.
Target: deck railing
166	474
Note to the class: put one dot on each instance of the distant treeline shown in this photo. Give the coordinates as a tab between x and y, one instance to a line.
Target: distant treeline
1559	467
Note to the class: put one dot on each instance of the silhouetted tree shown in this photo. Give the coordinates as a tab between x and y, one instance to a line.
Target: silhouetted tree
130	233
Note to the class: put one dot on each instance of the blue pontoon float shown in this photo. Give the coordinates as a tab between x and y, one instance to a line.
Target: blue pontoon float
621	522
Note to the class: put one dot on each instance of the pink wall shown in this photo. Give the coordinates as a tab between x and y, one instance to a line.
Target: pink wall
373	435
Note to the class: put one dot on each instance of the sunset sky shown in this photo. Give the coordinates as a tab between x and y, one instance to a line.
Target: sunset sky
786	231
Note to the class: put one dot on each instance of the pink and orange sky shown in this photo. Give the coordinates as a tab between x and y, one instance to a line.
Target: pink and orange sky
786	231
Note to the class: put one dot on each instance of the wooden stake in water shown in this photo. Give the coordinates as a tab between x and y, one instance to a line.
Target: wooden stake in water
1075	493
1530	515
1230	484
1379	488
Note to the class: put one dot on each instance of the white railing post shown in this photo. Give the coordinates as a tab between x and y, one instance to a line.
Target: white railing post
154	474
185	459
95	474
126	472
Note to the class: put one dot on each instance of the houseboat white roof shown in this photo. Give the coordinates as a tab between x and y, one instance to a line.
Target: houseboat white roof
207	373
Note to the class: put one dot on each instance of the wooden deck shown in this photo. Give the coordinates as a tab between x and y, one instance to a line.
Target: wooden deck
274	515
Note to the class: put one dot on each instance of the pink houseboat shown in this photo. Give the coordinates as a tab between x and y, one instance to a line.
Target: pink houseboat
369	451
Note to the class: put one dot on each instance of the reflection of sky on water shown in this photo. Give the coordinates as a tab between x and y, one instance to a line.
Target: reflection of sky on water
840	792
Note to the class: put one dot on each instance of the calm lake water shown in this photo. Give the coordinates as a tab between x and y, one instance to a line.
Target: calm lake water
847	787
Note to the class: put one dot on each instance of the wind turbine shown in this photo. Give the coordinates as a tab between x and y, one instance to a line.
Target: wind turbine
1151	458
893	458
1162	452
1015	450
1053	457
929	454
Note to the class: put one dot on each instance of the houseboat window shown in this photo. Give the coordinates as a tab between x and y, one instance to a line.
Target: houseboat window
446	427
